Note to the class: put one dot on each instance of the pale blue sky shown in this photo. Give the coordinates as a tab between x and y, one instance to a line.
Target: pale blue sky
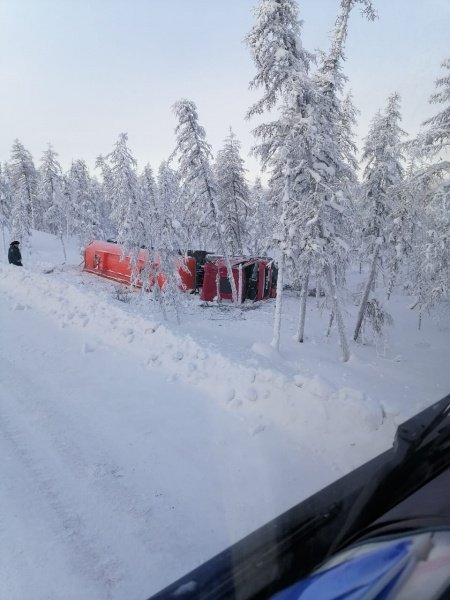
79	72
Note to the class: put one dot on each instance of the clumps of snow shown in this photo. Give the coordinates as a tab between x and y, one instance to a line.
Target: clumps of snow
87	348
309	407
229	394
299	380
186	588
352	406
262	349
258	429
251	394
314	386
20	306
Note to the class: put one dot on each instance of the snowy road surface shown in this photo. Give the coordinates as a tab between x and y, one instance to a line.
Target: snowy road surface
116	481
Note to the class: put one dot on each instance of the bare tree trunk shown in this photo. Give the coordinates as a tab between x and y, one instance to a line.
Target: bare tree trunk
218	298
338	314
275	343
4	239
63	247
240	285
363	305
303	299
330	324
391	287
157	294
228	265
215	212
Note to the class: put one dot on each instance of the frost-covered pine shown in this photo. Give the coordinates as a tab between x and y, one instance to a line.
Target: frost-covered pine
346	132
301	150
149	193
23	178
233	194
435	136
128	214
51	195
383	175
168	234
261	221
83	199
336	151
282	67
5	200
331	67
104	193
168	208
280	60
431	256
194	168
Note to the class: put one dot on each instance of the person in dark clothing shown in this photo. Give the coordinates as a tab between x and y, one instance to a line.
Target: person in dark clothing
14	256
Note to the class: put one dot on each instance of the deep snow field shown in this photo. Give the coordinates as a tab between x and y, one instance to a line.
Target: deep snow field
133	449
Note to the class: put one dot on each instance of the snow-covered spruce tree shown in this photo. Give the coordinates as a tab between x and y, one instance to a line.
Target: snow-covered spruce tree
303	152
282	73
194	156
23	178
5	200
383	175
149	193
128	214
337	153
432	183
104	193
261	222
51	195
168	207
233	194
406	229
168	234
84	204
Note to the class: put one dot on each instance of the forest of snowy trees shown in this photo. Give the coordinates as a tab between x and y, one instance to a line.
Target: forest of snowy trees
326	206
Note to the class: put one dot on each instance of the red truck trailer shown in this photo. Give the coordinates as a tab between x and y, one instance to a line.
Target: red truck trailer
105	259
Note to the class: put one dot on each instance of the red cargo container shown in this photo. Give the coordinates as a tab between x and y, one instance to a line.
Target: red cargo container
105	259
258	281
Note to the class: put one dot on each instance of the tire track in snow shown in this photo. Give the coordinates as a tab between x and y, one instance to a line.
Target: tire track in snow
39	433
83	551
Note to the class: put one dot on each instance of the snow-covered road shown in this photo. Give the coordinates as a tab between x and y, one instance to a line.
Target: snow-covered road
115	481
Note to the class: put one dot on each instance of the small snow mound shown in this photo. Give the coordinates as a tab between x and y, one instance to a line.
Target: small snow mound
152	358
251	394
178	355
316	385
229	394
357	409
263	349
258	429
20	306
299	380
87	348
45	268
185	588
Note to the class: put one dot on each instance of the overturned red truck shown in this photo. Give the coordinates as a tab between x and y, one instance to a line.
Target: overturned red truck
105	259
255	277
